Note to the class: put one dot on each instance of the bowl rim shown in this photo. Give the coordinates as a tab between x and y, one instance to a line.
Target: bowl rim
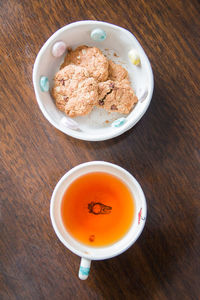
84	135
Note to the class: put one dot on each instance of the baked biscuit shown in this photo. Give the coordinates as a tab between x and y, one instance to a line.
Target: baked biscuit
116	72
115	96
74	91
91	58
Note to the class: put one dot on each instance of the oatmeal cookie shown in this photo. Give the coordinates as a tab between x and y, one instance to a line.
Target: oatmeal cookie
115	96
116	72
74	91
91	58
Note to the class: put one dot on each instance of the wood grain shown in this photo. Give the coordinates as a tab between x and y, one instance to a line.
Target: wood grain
161	151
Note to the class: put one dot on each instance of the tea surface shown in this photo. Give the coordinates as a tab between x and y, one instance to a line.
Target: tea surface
97	209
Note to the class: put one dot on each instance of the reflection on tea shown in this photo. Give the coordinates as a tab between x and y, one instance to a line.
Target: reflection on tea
97	209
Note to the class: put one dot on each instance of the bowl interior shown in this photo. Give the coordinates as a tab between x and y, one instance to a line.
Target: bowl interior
96	125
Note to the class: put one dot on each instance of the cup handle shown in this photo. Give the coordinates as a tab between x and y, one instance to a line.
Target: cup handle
84	269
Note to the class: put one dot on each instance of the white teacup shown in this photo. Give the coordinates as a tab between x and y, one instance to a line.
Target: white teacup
88	253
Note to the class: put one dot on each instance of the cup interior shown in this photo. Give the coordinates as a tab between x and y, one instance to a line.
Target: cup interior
96	253
97	125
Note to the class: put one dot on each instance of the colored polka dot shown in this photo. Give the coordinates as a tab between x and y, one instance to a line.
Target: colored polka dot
44	84
98	35
119	122
58	49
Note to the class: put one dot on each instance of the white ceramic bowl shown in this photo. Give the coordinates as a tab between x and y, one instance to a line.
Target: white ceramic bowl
97	125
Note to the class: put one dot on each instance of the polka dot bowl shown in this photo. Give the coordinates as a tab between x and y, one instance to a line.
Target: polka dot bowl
116	43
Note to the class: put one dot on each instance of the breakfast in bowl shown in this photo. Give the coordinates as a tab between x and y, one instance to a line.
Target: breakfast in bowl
87	79
93	80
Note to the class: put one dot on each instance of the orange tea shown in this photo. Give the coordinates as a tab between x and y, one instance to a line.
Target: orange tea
97	209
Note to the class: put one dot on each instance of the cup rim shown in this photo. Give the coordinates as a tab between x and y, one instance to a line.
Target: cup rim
87	136
59	235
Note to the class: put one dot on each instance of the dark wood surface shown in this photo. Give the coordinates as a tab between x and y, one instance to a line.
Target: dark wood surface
161	151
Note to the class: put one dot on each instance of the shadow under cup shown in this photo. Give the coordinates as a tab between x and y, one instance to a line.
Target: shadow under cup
97	253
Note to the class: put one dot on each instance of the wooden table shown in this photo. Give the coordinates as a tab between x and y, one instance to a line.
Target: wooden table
161	151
